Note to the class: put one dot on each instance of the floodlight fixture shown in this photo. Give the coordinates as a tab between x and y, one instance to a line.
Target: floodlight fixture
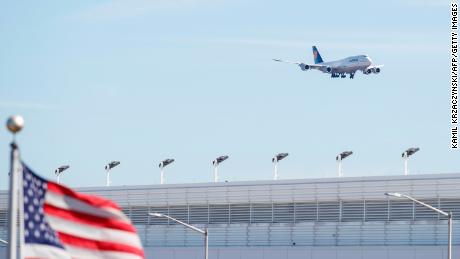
165	162
216	163
219	160
156	214
111	165
59	171
279	157
275	160
394	194
410	151
108	168
343	155
405	155
162	165
339	159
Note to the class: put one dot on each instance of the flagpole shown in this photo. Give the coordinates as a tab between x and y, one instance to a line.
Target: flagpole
21	211
14	125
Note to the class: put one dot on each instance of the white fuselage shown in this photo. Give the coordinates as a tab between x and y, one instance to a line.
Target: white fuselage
347	65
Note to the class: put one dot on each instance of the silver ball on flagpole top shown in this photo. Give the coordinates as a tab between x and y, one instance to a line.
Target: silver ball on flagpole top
15	123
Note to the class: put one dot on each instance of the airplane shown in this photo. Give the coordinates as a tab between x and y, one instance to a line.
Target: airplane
339	68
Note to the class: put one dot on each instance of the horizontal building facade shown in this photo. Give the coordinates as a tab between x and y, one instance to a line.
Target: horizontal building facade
347	217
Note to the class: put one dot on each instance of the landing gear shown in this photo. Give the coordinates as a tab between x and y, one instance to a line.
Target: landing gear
342	75
336	75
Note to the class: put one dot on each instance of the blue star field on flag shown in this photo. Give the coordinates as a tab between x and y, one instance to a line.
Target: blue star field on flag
36	227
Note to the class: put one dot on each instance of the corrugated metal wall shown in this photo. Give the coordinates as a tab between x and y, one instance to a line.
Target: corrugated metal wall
319	212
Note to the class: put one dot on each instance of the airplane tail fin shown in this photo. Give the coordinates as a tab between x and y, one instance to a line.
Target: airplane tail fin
316	56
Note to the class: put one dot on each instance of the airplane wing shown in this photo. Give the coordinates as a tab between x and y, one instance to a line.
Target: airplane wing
303	66
315	66
286	61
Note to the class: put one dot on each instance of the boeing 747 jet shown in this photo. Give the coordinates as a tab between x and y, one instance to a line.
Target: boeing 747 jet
339	68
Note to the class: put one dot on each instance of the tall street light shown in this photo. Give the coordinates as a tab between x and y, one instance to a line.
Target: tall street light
109	167
406	154
216	163
275	160
339	159
447	214
162	165
59	171
204	232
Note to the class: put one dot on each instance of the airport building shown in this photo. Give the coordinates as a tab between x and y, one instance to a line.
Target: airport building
337	218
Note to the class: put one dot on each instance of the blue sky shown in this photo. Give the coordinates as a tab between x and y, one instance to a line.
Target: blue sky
141	81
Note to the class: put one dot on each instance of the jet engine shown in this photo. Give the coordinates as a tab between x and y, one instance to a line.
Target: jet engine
376	70
367	71
329	69
304	66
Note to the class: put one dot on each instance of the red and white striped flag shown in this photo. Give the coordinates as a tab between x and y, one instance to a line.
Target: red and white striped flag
61	223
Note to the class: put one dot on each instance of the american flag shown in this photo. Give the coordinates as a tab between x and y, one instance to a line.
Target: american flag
61	223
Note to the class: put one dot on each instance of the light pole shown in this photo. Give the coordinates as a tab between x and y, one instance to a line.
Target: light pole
447	214
109	167
339	159
216	163
59	170
3	241
162	165
406	154
275	160
204	232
